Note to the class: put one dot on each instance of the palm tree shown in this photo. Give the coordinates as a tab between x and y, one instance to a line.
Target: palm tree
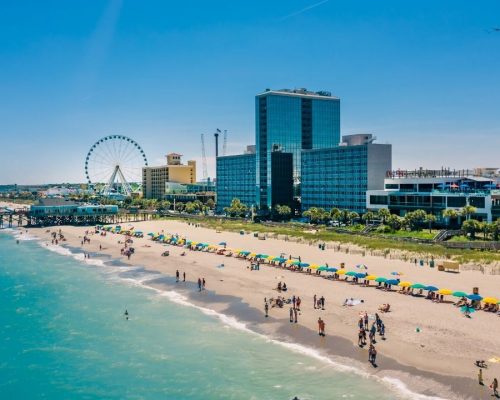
470	227
467	211
335	214
368	217
430	219
352	216
284	212
383	214
451	214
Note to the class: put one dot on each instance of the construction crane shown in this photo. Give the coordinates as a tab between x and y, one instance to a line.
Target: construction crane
204	158
224	143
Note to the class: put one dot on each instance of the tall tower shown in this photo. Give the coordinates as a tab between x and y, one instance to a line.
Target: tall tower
289	121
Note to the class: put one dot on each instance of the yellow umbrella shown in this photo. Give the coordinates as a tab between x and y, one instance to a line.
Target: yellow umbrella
290	262
405	284
341	272
270	257
314	266
371	278
445	291
252	255
490	300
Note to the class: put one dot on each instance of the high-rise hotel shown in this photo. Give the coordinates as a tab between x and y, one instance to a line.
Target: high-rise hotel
289	121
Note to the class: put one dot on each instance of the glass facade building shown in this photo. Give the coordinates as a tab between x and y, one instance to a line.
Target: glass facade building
340	176
290	121
235	179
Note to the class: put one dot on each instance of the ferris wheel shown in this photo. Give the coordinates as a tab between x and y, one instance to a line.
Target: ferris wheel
113	163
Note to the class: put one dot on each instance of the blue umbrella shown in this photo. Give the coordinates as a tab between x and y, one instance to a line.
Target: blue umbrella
222	244
303	265
331	269
490	186
431	288
392	281
442	185
463	186
394	273
474	297
360	275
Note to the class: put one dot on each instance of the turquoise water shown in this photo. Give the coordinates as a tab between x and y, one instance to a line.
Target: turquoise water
63	336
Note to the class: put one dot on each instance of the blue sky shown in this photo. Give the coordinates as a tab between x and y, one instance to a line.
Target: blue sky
422	75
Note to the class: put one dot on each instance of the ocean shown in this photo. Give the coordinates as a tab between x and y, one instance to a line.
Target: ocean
63	335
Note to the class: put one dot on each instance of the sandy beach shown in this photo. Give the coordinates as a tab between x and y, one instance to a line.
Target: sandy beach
431	347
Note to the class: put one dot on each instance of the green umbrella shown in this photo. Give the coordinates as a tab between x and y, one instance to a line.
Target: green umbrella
351	273
418	286
380	279
459	294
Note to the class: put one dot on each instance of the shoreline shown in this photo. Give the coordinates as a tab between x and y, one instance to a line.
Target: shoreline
335	346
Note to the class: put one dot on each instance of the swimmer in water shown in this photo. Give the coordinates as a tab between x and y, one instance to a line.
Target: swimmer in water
126	315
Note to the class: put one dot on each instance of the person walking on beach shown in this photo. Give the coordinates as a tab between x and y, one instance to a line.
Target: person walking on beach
321	327
373	331
266	309
365	318
314	300
494	387
361	342
177	276
295	315
291	314
322	301
199	284
480	377
298	303
294	301
203	282
382	330
184	276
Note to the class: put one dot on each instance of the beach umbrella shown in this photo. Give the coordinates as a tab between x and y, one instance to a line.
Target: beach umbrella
151	234
361	266
279	259
350	273
341	272
490	300
396	273
474	297
322	268
370	277
222	243
459	294
431	288
381	279
392	282
360	275
418	286
331	269
290	262
303	265
445	292
404	284
314	266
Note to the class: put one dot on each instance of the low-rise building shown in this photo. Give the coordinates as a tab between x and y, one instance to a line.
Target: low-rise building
155	178
340	176
434	191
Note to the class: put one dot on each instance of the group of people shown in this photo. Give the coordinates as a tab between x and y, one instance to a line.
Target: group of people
377	326
319	303
178	276
494	383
